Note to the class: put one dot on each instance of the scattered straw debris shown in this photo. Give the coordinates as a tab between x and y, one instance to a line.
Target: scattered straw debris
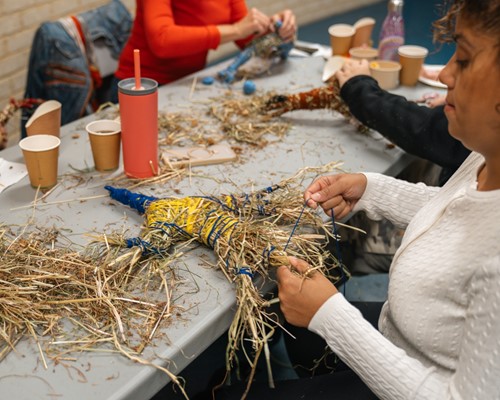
109	302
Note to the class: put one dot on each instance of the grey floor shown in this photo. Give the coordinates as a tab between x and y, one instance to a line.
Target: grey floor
419	15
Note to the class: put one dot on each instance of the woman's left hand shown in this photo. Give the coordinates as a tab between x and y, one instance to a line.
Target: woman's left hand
288	25
301	295
352	68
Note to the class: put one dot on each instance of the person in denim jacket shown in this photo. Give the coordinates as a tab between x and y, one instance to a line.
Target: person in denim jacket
59	69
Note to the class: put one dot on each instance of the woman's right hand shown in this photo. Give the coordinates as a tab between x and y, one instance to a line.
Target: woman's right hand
338	192
254	23
288	27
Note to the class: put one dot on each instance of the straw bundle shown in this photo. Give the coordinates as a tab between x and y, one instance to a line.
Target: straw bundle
243	120
324	97
69	301
250	235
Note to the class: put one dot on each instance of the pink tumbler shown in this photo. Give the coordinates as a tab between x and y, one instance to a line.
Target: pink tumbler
139	124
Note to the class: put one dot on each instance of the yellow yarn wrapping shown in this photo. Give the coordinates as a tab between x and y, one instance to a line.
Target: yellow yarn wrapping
198	217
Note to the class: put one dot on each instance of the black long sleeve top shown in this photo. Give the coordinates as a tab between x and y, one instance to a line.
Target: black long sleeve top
418	130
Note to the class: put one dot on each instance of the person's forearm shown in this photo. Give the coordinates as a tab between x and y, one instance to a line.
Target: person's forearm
393	199
229	33
419	130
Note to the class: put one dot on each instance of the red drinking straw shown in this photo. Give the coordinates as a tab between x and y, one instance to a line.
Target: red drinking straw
137	69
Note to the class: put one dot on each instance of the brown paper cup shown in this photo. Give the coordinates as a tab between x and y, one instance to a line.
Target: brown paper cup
41	154
364	28
386	73
363	53
411	59
45	120
104	138
341	38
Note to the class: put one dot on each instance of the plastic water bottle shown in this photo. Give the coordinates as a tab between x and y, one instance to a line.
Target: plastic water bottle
392	34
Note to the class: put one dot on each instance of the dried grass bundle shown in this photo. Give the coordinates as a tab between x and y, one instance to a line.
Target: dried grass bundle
242	119
250	235
324	97
109	303
182	129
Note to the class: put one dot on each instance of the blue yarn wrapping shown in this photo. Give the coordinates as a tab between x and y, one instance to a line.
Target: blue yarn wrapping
146	247
227	75
244	271
136	201
339	254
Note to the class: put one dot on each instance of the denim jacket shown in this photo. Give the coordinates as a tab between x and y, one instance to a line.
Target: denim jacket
59	70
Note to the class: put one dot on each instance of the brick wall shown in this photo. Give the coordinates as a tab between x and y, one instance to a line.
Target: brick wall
20	18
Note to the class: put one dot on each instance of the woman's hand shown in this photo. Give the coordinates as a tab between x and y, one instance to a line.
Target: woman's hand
340	192
254	23
288	25
302	294
352	68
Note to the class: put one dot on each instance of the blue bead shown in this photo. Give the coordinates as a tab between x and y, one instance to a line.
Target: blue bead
208	80
249	87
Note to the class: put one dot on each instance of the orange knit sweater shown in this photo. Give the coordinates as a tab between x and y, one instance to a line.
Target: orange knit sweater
174	36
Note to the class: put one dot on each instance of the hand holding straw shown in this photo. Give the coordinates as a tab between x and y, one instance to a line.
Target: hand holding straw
137	69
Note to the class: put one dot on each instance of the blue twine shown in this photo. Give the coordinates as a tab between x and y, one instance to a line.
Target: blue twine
212	230
336	236
145	246
244	271
223	205
339	254
295	226
261	210
162	225
224	222
202	226
268	251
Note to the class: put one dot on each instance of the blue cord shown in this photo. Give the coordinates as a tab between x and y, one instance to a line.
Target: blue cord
295	226
339	254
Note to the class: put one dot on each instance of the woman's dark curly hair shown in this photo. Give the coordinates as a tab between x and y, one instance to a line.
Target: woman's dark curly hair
483	14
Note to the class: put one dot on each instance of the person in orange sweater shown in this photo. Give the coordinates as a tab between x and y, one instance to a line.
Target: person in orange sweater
174	36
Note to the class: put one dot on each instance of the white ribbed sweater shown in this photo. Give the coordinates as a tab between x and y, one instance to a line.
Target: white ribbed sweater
440	327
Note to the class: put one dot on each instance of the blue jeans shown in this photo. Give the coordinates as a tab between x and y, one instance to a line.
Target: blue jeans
58	70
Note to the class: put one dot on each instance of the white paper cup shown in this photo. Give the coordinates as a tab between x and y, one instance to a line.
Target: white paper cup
341	38
45	120
104	135
411	59
41	153
363	53
386	73
364	28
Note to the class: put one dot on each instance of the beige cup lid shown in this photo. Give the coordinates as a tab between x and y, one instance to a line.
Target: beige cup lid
412	51
365	21
342	30
363	51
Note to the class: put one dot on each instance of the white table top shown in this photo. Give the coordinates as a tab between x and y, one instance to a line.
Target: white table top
317	137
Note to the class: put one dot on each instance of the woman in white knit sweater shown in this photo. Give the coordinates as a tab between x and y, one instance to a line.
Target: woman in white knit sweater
439	331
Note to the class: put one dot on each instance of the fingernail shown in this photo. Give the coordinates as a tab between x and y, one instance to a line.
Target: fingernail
315	196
